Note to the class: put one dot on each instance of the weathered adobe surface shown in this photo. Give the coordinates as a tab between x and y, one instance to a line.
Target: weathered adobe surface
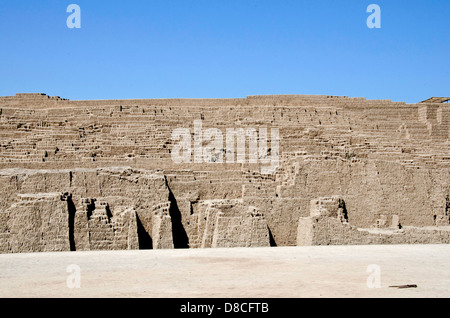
81	175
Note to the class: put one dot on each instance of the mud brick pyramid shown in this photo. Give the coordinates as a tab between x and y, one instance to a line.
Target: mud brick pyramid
98	175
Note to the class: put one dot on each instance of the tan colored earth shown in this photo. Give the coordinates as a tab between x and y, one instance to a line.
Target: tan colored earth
313	271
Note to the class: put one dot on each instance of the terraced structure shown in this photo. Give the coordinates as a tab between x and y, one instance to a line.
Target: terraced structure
96	175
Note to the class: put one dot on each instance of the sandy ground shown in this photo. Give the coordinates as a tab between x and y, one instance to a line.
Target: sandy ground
321	271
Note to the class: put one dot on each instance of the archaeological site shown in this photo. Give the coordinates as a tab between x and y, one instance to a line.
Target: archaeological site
275	170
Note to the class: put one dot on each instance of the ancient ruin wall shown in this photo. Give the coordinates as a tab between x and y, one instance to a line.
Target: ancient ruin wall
99	174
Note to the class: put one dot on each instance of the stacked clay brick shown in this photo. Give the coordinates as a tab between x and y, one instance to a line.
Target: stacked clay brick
80	175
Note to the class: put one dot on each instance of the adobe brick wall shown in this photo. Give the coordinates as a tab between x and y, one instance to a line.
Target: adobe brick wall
381	157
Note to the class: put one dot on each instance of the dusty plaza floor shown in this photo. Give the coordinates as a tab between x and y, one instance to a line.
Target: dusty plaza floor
321	271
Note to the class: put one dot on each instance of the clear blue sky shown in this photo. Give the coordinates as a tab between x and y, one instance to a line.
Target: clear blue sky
225	48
